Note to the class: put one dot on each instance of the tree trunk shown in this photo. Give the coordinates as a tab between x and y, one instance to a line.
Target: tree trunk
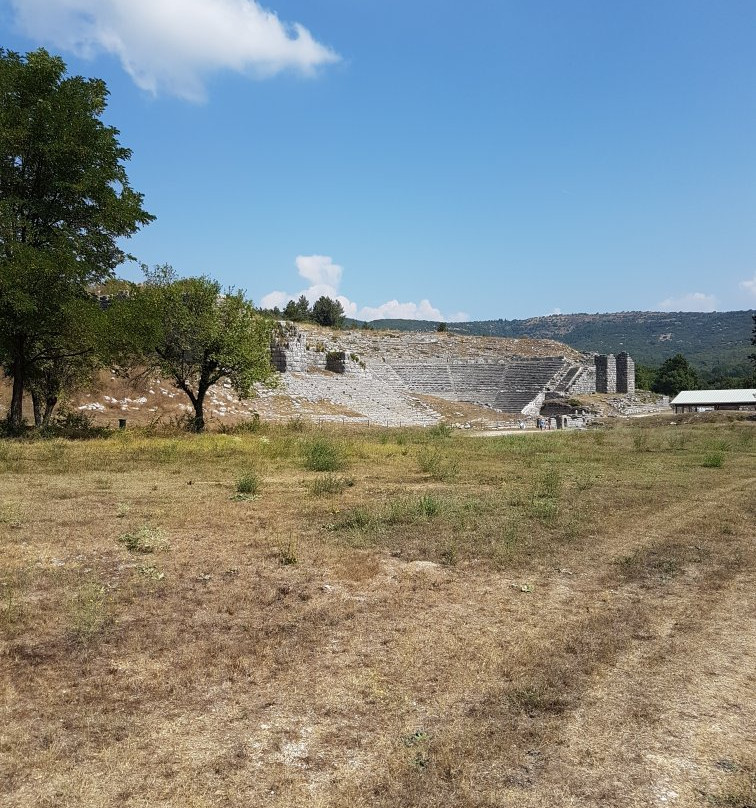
37	407
16	415
50	403
199	411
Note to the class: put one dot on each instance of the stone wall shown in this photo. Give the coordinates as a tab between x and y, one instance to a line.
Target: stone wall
606	373
625	374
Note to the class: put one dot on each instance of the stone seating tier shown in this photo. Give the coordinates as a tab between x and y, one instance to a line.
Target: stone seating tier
505	386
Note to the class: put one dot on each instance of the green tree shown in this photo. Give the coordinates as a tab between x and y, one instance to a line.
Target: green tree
196	335
298	311
644	377
65	201
752	356
442	328
328	312
674	375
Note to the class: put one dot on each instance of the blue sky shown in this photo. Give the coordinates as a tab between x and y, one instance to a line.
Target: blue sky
438	159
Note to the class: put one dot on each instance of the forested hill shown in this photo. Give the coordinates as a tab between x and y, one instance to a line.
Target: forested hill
709	340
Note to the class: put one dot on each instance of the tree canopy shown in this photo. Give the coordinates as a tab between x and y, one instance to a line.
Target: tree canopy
328	312
197	335
65	201
675	375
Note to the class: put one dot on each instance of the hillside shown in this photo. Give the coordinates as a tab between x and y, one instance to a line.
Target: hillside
707	339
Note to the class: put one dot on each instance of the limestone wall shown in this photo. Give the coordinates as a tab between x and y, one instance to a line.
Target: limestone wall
625	374
606	373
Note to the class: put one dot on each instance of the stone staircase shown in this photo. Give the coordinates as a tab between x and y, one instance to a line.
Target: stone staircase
526	383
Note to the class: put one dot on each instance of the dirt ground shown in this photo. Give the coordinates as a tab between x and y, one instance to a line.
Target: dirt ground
429	620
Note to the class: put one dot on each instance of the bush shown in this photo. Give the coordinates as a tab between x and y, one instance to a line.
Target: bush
713	460
323	454
440	431
248	484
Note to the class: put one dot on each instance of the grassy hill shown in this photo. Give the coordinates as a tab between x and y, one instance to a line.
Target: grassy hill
709	340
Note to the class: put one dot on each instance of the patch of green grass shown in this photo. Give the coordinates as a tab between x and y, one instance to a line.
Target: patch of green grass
437	464
145	540
89	612
248	484
329	485
713	460
324	454
440	431
12	514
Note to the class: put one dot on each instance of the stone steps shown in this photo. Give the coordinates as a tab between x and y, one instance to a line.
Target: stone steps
377	398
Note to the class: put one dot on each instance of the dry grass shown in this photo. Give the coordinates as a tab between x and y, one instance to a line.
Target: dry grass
563	621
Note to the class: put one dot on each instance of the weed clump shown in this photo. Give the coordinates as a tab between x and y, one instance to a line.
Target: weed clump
89	613
248	484
713	460
436	464
329	485
323	454
145	540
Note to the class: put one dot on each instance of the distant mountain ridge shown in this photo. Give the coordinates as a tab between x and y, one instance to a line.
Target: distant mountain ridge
709	340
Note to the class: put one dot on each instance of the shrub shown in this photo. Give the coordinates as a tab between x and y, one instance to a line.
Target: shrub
429	506
713	460
323	454
440	431
248	484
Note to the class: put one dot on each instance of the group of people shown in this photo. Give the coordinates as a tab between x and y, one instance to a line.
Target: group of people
543	423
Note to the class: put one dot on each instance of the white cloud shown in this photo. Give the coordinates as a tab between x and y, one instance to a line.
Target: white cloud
325	278
749	286
319	269
692	301
173	45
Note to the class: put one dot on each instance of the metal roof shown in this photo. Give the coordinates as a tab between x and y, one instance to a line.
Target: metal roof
703	397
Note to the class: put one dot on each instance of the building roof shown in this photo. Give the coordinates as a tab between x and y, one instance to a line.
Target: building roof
704	397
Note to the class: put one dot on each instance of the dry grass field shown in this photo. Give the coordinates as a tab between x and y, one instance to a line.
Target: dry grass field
302	617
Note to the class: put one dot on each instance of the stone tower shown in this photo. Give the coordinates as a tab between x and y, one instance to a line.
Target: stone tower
625	373
606	373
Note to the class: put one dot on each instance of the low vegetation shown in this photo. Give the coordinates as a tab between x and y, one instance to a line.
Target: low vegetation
519	620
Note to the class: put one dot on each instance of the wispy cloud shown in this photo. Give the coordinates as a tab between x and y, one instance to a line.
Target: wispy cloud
692	301
325	279
174	45
749	286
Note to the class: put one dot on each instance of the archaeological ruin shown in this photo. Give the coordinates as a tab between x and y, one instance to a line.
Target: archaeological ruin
393	377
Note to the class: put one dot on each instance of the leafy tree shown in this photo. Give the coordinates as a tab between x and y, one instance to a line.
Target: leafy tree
442	328
644	377
674	375
328	312
65	201
298	311
752	356
197	336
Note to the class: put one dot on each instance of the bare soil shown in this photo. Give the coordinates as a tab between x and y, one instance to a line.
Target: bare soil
436	621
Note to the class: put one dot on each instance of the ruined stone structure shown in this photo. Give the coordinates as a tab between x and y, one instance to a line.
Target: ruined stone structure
393	368
606	373
625	374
